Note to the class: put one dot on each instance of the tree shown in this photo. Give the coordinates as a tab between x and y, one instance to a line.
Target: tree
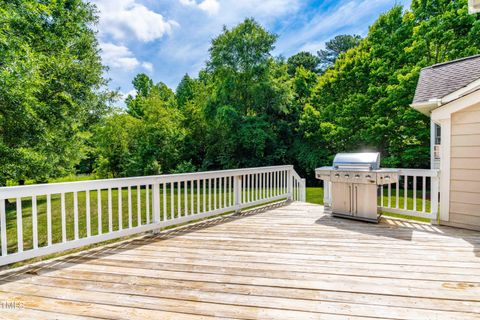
51	87
303	59
145	140
362	101
335	47
116	142
185	90
250	91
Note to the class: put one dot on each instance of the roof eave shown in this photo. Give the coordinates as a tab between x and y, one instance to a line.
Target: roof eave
427	107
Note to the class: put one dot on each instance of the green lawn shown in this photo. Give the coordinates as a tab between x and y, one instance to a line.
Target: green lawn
315	195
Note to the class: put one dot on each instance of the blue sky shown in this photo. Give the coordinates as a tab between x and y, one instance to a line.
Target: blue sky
168	38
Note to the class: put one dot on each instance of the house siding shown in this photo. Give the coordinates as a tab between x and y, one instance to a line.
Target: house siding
465	169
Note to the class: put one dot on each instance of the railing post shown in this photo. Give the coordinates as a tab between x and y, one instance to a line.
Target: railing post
237	193
156	205
434	199
290	185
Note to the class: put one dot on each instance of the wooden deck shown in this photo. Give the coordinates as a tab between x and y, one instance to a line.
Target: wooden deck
288	262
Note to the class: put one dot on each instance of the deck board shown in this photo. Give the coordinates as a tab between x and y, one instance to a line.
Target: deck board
289	262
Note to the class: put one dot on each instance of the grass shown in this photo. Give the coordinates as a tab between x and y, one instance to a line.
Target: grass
315	195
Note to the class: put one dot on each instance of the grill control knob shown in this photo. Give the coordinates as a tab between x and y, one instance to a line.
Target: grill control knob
337	175
347	176
368	176
357	176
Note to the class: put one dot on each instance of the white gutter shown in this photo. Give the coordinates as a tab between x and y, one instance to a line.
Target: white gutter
427	107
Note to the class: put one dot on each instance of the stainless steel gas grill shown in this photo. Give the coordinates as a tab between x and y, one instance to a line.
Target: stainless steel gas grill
355	178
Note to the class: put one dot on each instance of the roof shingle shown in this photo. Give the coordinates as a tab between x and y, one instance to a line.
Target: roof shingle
439	80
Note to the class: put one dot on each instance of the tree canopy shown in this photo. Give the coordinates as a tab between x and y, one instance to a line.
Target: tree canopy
335	47
51	87
245	108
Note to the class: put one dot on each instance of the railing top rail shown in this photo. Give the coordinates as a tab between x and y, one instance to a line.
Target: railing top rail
417	172
61	187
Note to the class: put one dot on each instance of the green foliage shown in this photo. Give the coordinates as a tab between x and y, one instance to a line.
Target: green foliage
303	59
250	92
50	87
246	108
146	140
362	101
335	47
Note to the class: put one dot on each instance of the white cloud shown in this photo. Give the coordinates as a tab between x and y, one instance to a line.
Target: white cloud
147	66
121	19
132	93
209	6
118	56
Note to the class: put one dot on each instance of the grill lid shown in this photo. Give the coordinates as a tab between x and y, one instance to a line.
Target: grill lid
363	160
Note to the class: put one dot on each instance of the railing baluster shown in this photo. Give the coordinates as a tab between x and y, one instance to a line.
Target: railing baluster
119	199
147	203
209	194
192	192
204	198
87	212
263	185
99	211
224	181
185	184
269	184
280	184
179	199
405	192
19	225
247	187
75	215
49	220
230	191
424	180
3	227
164	187
155	204
139	206
397	193
110	214
198	195
214	193
64	217
35	222
129	206
414	193
172	201
275	179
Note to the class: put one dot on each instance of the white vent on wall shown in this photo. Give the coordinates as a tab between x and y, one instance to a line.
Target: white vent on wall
473	6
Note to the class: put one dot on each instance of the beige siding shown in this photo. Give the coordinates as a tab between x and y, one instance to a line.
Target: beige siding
465	168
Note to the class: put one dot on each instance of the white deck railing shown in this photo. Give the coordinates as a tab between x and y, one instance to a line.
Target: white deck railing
89	212
415	194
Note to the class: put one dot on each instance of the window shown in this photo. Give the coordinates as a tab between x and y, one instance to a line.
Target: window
438	134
